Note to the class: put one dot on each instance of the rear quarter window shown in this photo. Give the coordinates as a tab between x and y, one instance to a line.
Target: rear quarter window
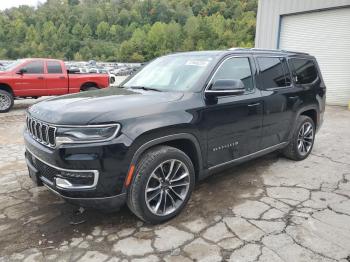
304	70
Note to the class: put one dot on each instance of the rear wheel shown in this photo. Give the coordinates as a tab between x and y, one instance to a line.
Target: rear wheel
302	140
89	87
163	182
6	101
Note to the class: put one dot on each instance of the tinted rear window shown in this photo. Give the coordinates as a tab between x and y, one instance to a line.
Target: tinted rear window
304	70
273	72
54	67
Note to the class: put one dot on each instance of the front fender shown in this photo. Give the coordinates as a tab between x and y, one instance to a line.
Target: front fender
142	147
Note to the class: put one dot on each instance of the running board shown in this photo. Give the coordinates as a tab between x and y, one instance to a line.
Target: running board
246	158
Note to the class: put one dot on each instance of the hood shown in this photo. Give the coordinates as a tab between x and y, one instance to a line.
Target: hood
107	105
2	73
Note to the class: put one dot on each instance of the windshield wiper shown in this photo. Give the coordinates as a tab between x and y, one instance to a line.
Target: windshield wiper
145	88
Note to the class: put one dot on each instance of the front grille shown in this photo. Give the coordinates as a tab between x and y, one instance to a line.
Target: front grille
46	171
41	132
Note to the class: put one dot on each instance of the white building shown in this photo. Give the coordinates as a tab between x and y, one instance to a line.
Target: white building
318	27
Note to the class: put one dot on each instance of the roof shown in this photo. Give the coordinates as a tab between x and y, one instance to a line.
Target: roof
35	59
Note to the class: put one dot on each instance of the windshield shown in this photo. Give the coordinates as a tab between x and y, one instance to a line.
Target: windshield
171	73
12	65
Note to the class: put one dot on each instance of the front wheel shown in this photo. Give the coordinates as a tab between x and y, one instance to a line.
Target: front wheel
163	183
302	140
6	101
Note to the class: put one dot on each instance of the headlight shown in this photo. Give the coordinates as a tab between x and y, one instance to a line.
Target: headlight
86	134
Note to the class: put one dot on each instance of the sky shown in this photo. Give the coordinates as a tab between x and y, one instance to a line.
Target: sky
15	3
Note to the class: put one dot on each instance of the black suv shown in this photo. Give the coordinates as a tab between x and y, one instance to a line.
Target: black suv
178	119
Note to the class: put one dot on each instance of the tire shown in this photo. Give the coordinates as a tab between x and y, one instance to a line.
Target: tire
172	196
89	88
6	101
301	143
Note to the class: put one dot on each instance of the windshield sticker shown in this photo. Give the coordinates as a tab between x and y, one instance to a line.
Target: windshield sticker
197	63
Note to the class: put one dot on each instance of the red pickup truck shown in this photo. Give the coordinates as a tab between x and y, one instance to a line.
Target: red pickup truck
43	77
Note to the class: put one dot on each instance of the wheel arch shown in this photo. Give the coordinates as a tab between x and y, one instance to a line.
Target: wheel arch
185	142
312	112
7	88
89	84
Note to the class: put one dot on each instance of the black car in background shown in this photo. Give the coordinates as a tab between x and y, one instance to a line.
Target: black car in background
180	118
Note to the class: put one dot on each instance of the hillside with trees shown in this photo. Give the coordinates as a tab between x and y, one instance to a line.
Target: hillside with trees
124	30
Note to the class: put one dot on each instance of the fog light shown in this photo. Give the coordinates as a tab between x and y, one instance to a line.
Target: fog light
63	183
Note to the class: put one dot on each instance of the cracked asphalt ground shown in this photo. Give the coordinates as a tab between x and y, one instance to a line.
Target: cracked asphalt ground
269	209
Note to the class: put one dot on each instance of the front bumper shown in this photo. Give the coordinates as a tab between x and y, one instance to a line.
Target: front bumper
48	178
85	175
102	203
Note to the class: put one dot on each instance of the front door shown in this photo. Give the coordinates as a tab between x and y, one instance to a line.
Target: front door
32	80
234	122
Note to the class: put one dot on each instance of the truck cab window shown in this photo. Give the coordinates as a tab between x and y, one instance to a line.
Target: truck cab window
35	67
54	67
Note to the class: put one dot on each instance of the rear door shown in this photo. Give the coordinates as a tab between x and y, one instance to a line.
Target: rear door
56	78
280	99
32	81
234	122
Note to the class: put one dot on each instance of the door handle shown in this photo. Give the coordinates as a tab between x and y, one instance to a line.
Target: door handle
62	77
41	77
255	104
293	97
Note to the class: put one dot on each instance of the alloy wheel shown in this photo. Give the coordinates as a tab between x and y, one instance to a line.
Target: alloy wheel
5	102
305	138
167	187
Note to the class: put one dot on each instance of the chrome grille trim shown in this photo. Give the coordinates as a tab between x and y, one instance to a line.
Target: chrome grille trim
40	132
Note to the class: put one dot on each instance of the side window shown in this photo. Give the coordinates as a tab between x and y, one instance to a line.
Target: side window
273	73
304	70
286	72
35	67
236	68
54	67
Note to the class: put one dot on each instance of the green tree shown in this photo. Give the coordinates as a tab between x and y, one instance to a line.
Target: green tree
77	30
127	30
102	30
86	32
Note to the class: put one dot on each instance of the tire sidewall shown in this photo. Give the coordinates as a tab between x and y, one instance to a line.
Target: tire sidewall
302	121
11	99
145	173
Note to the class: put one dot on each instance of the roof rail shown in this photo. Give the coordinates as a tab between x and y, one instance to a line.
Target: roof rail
295	52
266	50
238	48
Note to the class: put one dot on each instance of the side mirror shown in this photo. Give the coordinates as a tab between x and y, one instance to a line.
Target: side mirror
225	87
22	71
